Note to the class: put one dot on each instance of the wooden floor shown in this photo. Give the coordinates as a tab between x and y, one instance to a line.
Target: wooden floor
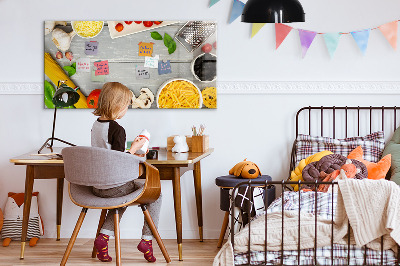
50	252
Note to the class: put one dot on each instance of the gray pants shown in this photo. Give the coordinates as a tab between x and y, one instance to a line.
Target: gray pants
154	208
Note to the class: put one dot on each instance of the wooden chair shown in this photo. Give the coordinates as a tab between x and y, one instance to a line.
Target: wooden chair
85	167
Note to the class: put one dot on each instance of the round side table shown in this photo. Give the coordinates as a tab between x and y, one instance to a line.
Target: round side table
228	182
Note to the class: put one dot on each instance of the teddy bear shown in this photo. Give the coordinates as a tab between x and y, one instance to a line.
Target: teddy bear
180	144
13	215
145	99
245	169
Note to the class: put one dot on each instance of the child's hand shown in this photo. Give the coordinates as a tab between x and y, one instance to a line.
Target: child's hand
142	155
137	144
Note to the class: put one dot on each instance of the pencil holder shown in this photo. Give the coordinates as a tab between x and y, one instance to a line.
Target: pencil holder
200	143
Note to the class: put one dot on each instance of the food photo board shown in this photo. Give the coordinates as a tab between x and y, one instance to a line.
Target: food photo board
166	64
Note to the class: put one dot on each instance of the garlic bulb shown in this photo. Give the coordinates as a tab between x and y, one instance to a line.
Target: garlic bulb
61	39
49	25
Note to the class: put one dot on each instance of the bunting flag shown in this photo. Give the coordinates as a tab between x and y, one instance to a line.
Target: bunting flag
332	41
389	30
306	39
213	2
237	8
256	27
361	37
281	31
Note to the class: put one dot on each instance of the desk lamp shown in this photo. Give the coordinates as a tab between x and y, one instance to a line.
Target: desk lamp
273	11
64	97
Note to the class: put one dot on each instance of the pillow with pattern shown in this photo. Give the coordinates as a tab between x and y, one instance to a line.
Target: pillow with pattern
372	145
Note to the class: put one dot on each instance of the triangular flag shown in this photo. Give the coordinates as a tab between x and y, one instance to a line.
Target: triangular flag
361	37
281	31
332	41
389	30
213	2
255	28
306	39
237	8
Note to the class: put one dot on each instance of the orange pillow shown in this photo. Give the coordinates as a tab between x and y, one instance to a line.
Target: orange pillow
375	170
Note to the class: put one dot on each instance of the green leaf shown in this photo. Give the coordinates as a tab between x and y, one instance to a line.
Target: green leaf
49	91
71	70
156	36
49	104
172	47
167	40
74	65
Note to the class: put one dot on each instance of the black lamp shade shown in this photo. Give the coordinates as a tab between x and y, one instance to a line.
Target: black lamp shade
273	11
65	96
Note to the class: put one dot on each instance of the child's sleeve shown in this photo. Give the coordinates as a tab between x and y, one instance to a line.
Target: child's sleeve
117	137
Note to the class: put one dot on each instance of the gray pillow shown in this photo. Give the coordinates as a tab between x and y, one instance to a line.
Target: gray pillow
393	148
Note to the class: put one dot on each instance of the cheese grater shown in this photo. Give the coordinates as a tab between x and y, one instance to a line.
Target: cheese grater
195	33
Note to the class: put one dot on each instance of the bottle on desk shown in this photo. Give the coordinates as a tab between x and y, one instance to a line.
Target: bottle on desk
144	134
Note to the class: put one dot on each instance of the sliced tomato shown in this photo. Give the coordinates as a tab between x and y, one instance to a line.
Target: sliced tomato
128	22
148	23
93	98
157	22
119	27
138	22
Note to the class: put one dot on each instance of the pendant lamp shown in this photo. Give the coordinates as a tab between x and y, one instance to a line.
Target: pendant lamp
273	11
64	97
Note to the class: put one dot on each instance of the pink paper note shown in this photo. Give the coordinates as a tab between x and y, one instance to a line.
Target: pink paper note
101	68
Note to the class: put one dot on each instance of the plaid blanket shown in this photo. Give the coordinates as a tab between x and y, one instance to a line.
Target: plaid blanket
323	205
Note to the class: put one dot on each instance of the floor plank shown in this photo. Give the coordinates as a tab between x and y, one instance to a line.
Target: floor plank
49	252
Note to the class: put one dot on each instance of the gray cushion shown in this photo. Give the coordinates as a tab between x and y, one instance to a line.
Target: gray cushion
393	148
83	195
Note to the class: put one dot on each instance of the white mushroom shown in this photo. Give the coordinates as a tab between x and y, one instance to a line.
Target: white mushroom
49	25
145	99
62	39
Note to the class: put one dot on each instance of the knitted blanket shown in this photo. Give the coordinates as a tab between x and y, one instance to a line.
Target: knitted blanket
373	209
371	206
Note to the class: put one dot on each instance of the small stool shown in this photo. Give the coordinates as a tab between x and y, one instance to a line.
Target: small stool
226	183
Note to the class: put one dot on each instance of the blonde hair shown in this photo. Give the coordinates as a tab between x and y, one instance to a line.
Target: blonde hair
113	98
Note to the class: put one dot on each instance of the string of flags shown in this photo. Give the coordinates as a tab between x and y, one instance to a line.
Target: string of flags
361	37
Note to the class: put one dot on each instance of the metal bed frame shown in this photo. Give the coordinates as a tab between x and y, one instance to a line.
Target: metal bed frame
284	184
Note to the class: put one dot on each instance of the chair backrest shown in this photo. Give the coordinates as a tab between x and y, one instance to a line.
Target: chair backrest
92	166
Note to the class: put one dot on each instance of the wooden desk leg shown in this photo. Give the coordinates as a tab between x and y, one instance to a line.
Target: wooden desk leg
27	206
60	190
199	204
176	183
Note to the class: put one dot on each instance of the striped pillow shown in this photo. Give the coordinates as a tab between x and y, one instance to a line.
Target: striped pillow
13	228
372	145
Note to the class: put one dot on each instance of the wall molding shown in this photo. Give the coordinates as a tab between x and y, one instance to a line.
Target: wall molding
259	87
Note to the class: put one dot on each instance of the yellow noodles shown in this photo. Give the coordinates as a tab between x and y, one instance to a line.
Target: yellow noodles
179	94
87	28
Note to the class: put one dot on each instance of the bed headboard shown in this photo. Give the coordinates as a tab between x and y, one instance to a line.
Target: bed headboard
344	121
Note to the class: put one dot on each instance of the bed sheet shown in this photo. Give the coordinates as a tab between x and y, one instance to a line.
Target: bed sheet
324	206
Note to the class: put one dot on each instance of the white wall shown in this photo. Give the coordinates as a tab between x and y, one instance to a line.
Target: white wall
259	127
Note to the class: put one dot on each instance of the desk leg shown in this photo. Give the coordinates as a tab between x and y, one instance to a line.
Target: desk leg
176	182
60	190
199	204
27	206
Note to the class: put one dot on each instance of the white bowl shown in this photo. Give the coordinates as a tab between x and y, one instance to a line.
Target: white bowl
73	27
171	80
194	74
